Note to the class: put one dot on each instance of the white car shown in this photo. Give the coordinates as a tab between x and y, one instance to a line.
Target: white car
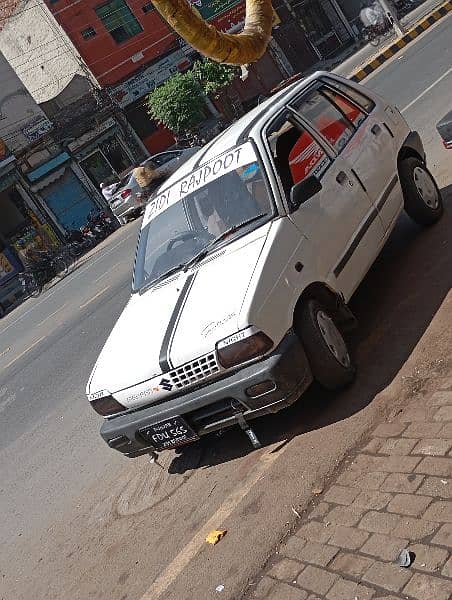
129	199
246	261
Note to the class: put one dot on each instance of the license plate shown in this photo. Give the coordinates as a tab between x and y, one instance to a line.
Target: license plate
168	434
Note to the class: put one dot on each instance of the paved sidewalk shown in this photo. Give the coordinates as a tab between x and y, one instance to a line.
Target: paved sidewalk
394	493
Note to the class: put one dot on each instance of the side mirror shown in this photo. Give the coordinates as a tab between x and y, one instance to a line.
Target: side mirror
302	191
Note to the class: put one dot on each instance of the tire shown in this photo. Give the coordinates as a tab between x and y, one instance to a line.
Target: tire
422	198
325	347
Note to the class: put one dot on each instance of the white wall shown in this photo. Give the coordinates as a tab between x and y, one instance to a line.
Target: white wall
40	52
20	116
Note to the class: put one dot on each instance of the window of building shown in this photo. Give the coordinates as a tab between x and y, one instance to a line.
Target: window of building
346	106
326	118
88	33
119	20
147	8
139	119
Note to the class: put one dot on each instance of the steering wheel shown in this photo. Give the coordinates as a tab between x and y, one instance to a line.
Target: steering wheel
181	237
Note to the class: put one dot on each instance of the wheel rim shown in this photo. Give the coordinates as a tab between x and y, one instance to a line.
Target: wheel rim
333	339
426	187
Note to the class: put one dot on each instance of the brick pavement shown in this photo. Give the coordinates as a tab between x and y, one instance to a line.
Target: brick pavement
395	493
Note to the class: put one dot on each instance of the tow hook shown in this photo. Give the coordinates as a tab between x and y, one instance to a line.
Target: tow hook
248	430
153	458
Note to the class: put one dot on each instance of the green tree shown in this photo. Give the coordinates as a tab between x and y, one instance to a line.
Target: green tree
212	76
178	103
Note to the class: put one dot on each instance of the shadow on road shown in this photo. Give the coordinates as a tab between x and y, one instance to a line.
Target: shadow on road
394	305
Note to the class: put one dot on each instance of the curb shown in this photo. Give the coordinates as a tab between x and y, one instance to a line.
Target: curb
399	44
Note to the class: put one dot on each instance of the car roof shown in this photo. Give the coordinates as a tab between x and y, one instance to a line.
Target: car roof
247	127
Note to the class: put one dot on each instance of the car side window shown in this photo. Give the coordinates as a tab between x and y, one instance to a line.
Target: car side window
296	154
361	100
350	110
326	118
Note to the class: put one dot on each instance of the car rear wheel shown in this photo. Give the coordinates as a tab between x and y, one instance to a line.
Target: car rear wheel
423	201
325	347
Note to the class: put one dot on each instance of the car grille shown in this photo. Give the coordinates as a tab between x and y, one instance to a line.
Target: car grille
195	371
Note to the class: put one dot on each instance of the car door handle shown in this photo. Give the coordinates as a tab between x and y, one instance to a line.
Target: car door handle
341	177
376	129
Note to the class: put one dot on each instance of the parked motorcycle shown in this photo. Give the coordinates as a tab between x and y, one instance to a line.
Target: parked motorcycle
43	266
374	33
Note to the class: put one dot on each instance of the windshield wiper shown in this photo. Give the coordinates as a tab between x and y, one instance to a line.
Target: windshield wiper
149	284
205	251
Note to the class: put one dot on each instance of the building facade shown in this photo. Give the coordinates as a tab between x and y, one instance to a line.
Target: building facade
130	50
22	220
87	126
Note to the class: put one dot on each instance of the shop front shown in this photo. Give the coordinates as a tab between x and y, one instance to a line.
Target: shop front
102	153
325	24
63	194
21	228
131	97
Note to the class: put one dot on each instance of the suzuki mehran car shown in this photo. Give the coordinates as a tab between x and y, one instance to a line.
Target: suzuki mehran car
246	260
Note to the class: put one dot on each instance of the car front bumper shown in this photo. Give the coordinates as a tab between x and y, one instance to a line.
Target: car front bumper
215	406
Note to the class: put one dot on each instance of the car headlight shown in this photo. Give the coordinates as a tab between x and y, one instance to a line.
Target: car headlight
243	346
104	404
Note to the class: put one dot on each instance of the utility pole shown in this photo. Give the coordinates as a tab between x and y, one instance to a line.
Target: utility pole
392	16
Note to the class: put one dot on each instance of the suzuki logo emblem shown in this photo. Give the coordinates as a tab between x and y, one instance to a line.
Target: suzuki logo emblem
166	385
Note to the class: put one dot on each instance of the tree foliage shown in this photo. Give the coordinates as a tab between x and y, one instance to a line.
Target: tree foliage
178	103
212	76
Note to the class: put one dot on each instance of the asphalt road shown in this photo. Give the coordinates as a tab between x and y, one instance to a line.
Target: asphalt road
79	521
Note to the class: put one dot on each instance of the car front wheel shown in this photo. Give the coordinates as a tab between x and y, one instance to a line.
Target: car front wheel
325	347
422	198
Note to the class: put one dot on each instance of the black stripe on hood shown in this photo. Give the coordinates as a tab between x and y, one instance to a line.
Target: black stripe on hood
164	358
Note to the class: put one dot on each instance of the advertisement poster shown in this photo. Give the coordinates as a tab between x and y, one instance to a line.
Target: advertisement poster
209	9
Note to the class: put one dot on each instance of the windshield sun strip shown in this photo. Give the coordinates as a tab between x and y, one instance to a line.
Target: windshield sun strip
216	157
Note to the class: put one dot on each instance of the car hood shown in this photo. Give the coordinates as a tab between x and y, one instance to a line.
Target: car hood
176	321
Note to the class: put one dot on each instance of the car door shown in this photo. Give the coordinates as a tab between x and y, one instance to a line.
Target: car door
339	221
372	153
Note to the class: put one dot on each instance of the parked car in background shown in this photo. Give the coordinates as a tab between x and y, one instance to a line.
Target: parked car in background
444	128
168	162
129	199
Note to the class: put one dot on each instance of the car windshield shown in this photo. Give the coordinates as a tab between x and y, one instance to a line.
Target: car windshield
184	221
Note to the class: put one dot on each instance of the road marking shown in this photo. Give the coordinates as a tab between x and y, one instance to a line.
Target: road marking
52	315
175	568
427	90
114	267
95	297
5	351
25	351
67	281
